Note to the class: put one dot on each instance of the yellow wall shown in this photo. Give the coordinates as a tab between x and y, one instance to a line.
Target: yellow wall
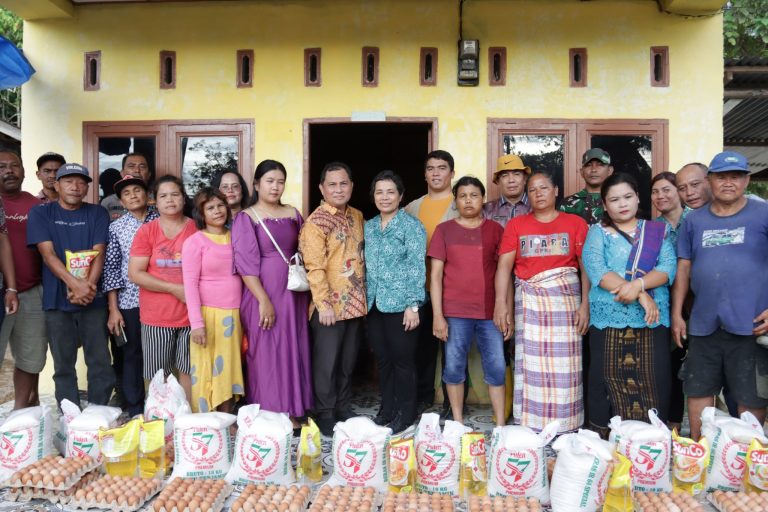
206	35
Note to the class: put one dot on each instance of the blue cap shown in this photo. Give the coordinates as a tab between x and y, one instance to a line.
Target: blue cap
729	161
73	170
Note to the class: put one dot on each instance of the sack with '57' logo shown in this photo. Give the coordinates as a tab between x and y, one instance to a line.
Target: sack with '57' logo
360	454
262	449
649	447
438	455
203	445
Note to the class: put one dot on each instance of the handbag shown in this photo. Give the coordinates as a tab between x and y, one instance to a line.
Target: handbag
297	274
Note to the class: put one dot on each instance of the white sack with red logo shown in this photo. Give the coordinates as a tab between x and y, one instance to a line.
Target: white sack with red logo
25	437
68	412
202	445
582	471
360	454
649	447
83	430
262	448
438	455
518	464
729	440
166	400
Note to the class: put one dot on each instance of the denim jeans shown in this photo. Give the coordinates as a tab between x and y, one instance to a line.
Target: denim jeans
490	344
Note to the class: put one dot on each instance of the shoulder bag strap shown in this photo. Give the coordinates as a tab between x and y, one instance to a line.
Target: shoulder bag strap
266	229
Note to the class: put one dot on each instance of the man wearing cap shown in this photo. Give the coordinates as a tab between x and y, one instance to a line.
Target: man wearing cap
134	164
123	294
24	331
511	176
47	165
721	250
75	309
586	203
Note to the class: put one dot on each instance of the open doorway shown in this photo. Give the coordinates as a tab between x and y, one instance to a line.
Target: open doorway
367	148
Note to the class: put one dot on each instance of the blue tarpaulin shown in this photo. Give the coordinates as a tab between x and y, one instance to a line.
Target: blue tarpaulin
15	69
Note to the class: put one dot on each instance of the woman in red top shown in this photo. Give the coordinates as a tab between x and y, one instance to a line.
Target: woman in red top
551	311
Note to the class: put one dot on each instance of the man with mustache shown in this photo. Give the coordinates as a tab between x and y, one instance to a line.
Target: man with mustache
47	165
586	203
24	331
75	309
511	176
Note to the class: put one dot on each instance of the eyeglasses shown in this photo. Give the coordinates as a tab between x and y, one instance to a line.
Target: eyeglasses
230	188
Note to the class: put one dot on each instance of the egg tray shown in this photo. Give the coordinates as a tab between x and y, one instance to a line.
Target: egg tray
81	500
216	501
724	501
343	492
26	493
665	501
254	494
41	468
417	501
503	503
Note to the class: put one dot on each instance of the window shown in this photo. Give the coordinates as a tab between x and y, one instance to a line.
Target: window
370	66
312	73
428	67
92	71
192	150
637	147
167	70
244	68
497	66
578	65
660	66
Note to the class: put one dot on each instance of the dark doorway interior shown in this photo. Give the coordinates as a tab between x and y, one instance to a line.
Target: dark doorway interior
369	148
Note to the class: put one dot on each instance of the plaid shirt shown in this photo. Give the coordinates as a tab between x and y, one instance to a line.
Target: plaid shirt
502	210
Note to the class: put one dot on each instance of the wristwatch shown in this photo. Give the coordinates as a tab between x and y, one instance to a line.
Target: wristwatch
415	308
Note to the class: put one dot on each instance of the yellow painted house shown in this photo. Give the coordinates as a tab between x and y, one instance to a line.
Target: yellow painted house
374	83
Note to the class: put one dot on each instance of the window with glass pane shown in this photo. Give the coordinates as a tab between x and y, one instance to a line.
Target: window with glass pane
202	157
112	150
541	152
631	154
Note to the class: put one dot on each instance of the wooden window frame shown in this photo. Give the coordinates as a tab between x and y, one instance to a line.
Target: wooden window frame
317	53
168	134
501	51
578	133
432	52
167	54
663	52
91	56
582	53
240	82
374	51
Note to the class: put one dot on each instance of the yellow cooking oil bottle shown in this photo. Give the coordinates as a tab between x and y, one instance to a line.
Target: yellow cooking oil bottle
309	452
120	448
152	449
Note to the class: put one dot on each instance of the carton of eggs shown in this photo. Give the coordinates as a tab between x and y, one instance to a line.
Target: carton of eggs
191	495
666	502
25	493
271	498
53	472
331	498
503	504
402	502
739	501
116	493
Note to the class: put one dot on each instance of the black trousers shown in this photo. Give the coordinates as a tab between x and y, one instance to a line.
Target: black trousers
132	363
334	354
395	350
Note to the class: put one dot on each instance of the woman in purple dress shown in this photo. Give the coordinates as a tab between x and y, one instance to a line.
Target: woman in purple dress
274	319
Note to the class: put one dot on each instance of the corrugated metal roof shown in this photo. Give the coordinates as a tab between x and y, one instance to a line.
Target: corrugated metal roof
746	123
757	156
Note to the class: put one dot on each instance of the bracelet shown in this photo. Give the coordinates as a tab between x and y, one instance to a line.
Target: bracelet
642	284
14	290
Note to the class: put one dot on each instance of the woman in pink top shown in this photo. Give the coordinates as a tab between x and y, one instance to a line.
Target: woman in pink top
213	302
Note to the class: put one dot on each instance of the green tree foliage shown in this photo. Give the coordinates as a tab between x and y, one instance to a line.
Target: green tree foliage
745	29
218	158
11	26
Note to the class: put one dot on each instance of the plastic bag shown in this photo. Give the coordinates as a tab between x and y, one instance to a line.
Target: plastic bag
78	263
756	473
582	471
166	400
618	497
309	452
689	464
402	466
473	480
26	437
152	462
203	445
359	454
262	448
83	430
730	438
68	412
437	455
120	449
518	463
649	447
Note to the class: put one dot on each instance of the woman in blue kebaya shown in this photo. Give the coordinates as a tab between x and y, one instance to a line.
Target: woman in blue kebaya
630	263
395	245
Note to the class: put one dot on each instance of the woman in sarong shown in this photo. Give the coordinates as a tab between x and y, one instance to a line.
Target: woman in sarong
551	311
630	263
